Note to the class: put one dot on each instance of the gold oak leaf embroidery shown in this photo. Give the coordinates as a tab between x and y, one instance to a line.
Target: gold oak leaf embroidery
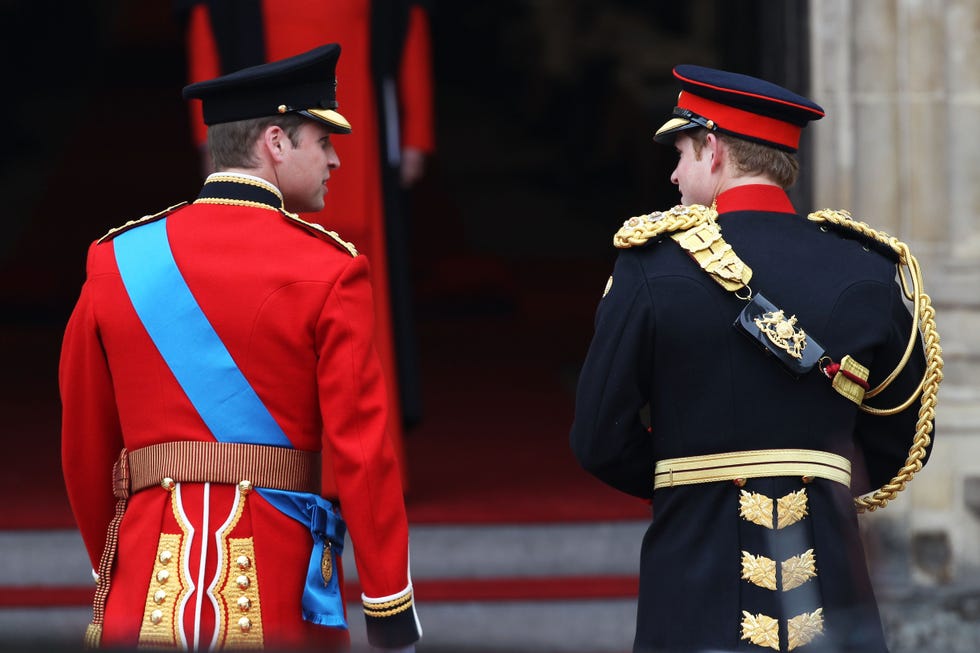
798	570
761	630
755	508
791	508
804	628
759	570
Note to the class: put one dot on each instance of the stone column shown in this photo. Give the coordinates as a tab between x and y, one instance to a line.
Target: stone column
900	148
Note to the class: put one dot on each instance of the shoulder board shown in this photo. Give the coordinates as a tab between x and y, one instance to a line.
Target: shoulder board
842	222
319	230
115	231
637	231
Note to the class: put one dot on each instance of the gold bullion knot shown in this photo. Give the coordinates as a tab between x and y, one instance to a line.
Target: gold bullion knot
783	332
760	629
759	570
802	629
798	570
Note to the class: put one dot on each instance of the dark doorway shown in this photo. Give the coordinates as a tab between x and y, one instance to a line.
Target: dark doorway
545	115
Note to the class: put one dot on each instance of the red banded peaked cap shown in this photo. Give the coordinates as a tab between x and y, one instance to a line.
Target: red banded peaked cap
739	105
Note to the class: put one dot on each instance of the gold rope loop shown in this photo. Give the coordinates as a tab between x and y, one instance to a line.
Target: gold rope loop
924	323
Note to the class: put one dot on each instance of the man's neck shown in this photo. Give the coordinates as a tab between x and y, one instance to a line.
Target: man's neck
745	180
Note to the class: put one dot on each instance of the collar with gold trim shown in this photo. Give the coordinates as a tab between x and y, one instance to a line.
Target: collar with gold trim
240	190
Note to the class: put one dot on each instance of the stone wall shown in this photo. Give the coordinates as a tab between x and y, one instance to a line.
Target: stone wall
900	147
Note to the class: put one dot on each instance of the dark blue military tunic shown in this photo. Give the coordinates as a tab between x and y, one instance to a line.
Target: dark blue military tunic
776	564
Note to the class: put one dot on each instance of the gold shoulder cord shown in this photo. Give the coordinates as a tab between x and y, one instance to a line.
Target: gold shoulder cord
923	320
733	275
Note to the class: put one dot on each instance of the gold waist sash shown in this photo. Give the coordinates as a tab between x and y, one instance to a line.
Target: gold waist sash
752	464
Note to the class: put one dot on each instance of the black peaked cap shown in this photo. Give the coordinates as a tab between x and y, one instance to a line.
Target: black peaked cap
305	84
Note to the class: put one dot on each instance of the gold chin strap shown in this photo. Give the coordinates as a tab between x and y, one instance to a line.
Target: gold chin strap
924	322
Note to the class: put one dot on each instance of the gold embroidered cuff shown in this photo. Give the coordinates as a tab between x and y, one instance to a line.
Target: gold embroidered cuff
388	608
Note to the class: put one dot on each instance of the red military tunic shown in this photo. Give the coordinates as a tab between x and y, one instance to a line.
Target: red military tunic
355	207
294	309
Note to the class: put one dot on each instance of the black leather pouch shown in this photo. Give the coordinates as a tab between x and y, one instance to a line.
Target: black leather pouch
779	335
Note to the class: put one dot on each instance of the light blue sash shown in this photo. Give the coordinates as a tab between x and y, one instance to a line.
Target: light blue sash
221	394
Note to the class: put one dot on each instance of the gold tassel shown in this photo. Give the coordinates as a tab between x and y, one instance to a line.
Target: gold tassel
93	636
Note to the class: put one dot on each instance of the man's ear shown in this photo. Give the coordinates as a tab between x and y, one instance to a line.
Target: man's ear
716	148
274	142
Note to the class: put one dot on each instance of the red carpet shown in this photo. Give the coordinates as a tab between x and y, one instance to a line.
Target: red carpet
499	403
501	338
493	444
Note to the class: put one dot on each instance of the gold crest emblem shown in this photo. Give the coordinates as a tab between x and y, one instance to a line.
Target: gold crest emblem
783	332
326	565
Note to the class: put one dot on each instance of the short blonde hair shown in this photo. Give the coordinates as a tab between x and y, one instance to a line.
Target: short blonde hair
751	158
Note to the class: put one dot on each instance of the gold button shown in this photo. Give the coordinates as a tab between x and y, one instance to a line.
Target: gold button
739	482
168	483
244	604
245	487
245	624
163	575
243	562
166	556
282	108
807	479
156	616
242	582
159	596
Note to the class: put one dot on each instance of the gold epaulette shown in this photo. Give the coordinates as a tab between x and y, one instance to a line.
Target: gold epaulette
115	231
319	230
636	231
694	228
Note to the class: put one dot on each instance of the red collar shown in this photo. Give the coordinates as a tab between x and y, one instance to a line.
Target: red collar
754	197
